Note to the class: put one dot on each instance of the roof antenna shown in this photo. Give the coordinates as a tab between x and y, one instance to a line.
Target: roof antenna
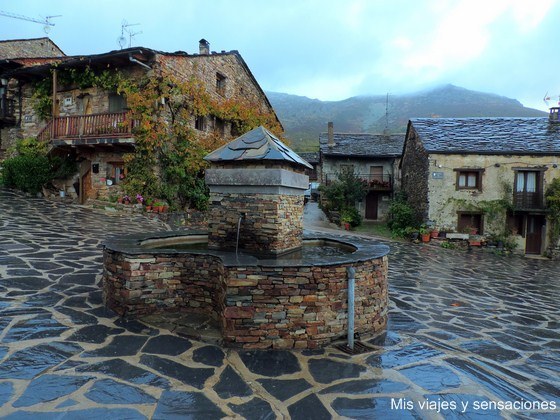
124	28
386	129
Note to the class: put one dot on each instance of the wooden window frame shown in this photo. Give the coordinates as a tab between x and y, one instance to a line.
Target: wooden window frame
471	213
466	172
221	84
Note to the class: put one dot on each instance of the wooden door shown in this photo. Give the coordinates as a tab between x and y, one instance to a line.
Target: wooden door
534	237
372	200
85	187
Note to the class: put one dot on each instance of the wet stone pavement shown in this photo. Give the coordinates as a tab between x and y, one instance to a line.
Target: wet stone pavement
470	336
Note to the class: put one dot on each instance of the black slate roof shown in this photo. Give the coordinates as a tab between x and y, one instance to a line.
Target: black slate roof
311	157
534	136
256	145
362	145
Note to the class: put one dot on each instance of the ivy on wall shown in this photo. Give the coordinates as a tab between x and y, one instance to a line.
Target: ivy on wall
168	159
552	197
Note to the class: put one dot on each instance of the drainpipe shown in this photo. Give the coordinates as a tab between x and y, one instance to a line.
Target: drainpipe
351	271
134	60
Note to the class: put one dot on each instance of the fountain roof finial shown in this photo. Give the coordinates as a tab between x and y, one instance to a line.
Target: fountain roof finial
256	145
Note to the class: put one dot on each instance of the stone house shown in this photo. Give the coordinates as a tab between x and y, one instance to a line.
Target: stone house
372	157
93	126
455	170
15	54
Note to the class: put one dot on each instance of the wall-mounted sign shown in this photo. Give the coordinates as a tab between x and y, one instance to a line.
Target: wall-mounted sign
437	175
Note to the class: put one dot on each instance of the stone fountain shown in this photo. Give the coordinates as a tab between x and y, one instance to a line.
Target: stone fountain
254	271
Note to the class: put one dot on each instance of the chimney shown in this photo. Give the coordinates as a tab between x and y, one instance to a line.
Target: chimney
203	47
330	134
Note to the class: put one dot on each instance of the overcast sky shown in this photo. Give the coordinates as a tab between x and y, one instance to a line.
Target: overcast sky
329	49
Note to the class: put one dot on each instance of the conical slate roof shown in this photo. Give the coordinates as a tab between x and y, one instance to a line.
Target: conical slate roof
257	144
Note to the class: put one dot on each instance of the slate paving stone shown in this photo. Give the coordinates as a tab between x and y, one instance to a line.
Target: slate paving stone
120	369
386	339
209	355
45	299
69	364
22	272
6	392
68	403
270	363
26	283
547	391
326	371
186	405
283	389
95	298
465	406
30	362
50	387
122	345
231	384
94	334
135	327
41	326
309	408
504	389
77	302
432	377
108	391
403	356
195	377
254	409
371	408
79	279
491	350
102	312
87	414
169	345
366	386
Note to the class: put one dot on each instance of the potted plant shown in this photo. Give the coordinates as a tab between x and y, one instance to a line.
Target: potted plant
435	232
424	233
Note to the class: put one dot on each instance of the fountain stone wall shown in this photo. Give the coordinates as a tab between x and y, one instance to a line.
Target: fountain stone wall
260	294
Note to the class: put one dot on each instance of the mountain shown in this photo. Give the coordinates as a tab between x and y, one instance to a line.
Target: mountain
305	118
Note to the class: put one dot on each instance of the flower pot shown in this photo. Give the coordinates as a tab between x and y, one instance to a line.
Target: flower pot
435	233
148	208
347	226
425	237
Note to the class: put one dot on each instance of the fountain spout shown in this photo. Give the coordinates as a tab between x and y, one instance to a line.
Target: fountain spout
241	217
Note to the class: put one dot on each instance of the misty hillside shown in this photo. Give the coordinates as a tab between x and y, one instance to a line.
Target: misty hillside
305	118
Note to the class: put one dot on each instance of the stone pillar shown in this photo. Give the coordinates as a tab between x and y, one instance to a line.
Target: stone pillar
268	199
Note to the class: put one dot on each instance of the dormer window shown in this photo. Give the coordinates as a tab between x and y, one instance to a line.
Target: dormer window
221	84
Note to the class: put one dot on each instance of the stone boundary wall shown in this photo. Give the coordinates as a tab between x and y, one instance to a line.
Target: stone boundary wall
258	306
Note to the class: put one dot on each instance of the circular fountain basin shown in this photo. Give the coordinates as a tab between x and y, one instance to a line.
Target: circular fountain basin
294	300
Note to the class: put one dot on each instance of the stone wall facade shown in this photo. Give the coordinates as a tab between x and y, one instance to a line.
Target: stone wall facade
301	306
271	223
414	177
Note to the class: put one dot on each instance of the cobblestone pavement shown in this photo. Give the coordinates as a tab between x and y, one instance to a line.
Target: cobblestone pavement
464	329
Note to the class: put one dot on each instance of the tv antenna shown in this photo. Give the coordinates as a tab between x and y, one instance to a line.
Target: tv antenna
124	30
548	98
46	21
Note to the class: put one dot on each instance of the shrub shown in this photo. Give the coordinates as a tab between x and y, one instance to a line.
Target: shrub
351	215
401	216
27	172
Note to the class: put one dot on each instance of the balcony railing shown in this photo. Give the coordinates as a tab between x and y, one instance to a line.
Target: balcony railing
7	108
375	182
527	200
105	125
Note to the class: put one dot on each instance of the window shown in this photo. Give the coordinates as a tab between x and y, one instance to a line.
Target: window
117	171
200	123
470	222
117	103
346	168
221	84
527	189
526	182
376	173
469	179
219	126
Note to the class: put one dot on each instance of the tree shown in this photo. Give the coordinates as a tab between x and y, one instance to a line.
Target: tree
341	195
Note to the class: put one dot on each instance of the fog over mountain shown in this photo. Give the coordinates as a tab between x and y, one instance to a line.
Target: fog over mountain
304	118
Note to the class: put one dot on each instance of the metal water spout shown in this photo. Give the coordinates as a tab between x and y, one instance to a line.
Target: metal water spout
241	217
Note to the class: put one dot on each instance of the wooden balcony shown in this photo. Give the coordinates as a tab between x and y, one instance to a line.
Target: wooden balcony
372	182
116	125
528	201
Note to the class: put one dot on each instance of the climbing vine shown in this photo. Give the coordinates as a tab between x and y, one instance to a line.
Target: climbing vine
168	160
552	197
107	79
